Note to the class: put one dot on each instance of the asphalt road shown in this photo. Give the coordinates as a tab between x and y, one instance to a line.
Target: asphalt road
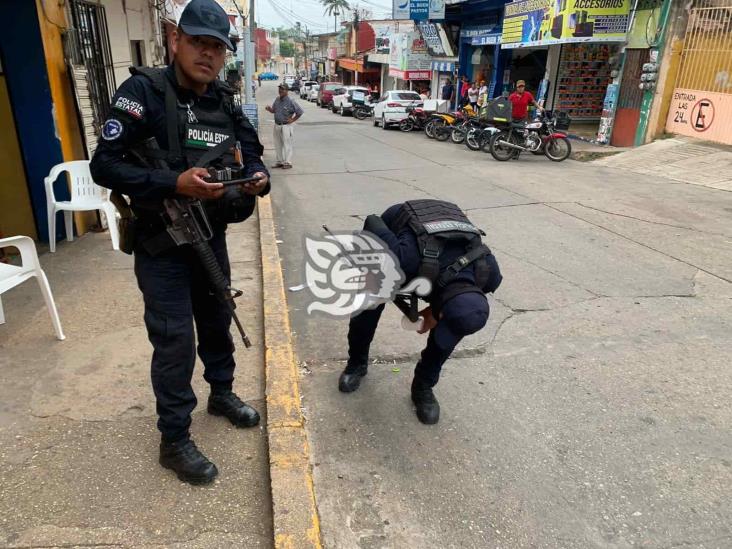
592	411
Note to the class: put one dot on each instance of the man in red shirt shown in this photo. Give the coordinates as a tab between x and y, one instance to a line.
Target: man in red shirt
521	99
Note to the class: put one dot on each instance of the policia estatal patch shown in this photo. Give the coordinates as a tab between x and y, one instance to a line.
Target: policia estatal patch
112	129
133	108
202	137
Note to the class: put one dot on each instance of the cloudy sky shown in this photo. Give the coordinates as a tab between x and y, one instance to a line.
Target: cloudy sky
276	13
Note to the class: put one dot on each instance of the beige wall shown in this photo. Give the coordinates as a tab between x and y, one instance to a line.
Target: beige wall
131	20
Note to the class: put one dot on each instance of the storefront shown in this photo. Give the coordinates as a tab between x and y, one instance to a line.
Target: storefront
568	54
359	72
479	53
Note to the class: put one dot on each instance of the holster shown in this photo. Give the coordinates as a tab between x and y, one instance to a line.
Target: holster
127	223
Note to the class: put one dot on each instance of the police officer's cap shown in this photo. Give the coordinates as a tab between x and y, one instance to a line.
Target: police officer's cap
462	315
206	18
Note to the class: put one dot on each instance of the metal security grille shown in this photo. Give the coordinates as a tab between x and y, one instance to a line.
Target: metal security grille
706	60
87	44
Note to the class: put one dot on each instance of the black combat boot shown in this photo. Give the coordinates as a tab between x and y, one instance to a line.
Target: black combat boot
428	409
187	461
351	378
227	404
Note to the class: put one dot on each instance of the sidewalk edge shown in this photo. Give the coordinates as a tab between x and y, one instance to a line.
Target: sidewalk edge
294	511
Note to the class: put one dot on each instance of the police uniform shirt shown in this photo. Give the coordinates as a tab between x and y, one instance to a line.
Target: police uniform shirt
138	113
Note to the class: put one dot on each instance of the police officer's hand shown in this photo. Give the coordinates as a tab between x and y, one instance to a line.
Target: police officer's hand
429	320
191	183
256	187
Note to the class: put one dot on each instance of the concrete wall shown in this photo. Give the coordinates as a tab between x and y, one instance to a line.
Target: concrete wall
127	21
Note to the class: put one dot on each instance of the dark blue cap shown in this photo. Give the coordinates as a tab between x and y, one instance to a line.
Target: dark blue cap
206	18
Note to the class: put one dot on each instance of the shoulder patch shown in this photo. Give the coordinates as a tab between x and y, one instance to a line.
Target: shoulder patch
130	106
112	129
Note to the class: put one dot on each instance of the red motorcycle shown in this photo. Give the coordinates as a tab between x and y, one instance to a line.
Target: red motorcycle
415	120
538	137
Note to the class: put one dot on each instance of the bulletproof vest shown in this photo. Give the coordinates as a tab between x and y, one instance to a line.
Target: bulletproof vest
435	222
198	135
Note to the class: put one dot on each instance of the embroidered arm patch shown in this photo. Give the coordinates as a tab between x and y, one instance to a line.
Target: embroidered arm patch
131	107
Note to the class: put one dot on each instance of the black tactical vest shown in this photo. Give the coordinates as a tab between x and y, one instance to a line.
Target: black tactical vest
434	222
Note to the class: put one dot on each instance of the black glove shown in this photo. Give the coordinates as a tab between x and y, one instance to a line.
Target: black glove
374	224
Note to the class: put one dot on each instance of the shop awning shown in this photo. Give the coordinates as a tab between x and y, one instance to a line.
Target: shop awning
355	65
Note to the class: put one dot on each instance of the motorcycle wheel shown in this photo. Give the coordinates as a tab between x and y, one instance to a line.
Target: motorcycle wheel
429	129
471	141
406	125
457	135
360	114
498	151
558	149
442	133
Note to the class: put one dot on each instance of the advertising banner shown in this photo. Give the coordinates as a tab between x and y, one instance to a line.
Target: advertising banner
546	22
409	59
382	37
436	39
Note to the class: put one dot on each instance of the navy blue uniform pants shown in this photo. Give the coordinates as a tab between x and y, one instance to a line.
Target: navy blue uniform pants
361	332
177	294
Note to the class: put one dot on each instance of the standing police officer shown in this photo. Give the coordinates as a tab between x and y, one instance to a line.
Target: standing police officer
195	123
433	239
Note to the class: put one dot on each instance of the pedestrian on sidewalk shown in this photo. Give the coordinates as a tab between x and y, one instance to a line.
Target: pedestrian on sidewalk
286	111
154	103
461	271
521	99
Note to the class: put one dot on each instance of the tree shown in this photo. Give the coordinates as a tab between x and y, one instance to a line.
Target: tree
335	8
287	49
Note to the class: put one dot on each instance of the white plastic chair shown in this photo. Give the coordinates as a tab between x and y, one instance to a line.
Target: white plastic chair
85	195
11	276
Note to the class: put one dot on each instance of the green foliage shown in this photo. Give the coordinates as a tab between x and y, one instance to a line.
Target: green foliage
333	7
287	49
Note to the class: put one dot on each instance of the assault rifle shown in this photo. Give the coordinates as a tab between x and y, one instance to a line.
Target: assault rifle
187	223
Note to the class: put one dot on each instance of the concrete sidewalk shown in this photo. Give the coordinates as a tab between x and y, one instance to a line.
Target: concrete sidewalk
78	443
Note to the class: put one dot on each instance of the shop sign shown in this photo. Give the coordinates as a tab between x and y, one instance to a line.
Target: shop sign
409	52
436	39
546	22
701	114
418	10
410	75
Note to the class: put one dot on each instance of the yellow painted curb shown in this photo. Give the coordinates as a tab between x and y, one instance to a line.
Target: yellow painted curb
295	515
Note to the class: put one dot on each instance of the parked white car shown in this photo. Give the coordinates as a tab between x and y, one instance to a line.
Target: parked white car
391	108
342	102
289	79
305	88
313	93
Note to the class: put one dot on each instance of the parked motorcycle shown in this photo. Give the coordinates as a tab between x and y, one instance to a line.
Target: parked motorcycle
362	111
479	134
540	136
446	120
415	120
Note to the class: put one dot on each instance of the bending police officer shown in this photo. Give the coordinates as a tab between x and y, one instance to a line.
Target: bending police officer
195	122
433	239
